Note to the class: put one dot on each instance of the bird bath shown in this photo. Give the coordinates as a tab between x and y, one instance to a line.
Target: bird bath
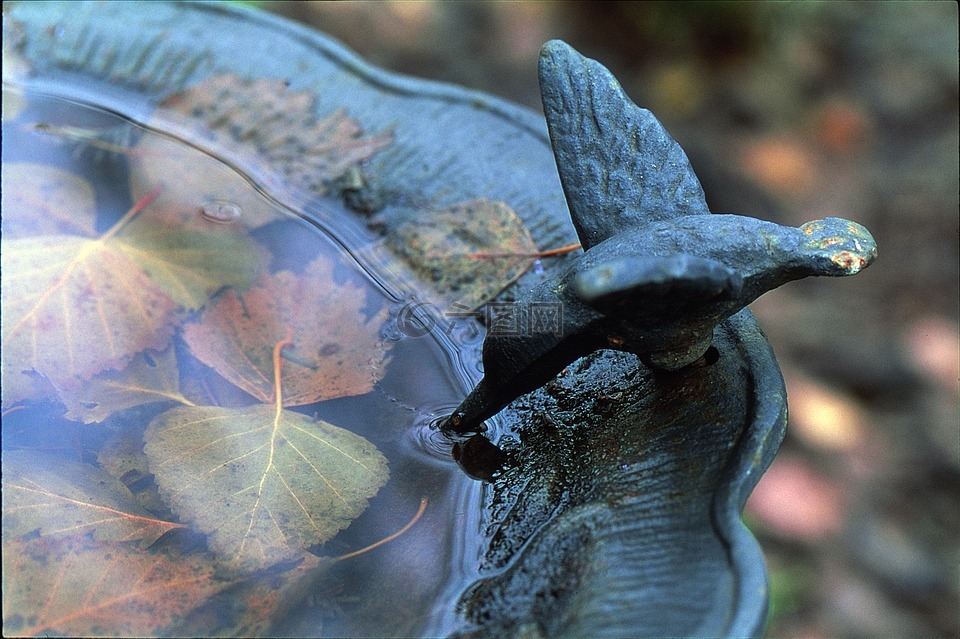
330	316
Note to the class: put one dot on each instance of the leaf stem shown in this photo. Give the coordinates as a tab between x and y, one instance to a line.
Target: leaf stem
537	255
416	518
277	365
569	248
132	213
88	137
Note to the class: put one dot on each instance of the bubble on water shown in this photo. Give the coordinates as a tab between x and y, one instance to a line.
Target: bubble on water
538	267
221	211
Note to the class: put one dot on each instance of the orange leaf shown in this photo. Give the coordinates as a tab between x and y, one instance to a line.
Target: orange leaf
266	130
260	602
61	497
69	587
336	349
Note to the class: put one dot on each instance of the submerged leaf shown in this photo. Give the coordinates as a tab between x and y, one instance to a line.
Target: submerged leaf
149	377
122	457
280	126
191	259
263	128
59	497
336	350
43	200
258	603
69	587
465	254
193	179
264	483
73	307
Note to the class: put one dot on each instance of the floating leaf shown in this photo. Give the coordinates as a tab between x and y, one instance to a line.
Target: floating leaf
122	454
189	254
204	387
149	377
73	307
261	481
279	125
61	497
336	349
267	130
465	254
43	200
67	587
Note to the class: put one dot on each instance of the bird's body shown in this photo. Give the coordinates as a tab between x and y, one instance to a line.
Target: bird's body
659	271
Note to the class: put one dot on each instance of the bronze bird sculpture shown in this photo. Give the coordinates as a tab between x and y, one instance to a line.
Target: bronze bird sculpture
658	271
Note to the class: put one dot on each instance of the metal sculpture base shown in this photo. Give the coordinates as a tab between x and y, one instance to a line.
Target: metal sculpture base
611	522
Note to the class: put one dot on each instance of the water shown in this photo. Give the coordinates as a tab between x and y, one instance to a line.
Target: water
119	190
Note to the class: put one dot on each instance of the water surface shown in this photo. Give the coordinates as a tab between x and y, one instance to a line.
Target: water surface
60	152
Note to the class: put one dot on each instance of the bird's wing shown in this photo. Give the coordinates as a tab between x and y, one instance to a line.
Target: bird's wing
661	286
618	166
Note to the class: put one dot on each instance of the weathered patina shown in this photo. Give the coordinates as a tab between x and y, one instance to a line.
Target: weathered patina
658	271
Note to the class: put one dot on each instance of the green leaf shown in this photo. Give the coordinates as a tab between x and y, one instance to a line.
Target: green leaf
257	603
61	497
149	377
263	482
191	259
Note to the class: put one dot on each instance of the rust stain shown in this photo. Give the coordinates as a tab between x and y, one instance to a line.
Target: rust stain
849	261
830	241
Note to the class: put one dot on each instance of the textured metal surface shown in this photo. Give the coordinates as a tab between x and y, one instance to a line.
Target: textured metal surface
618	512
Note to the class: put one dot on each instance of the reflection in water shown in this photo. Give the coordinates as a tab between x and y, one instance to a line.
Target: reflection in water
222	244
479	457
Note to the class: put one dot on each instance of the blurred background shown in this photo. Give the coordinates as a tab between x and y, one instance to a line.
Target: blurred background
789	112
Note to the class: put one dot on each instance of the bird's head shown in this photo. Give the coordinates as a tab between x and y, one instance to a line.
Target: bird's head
837	247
